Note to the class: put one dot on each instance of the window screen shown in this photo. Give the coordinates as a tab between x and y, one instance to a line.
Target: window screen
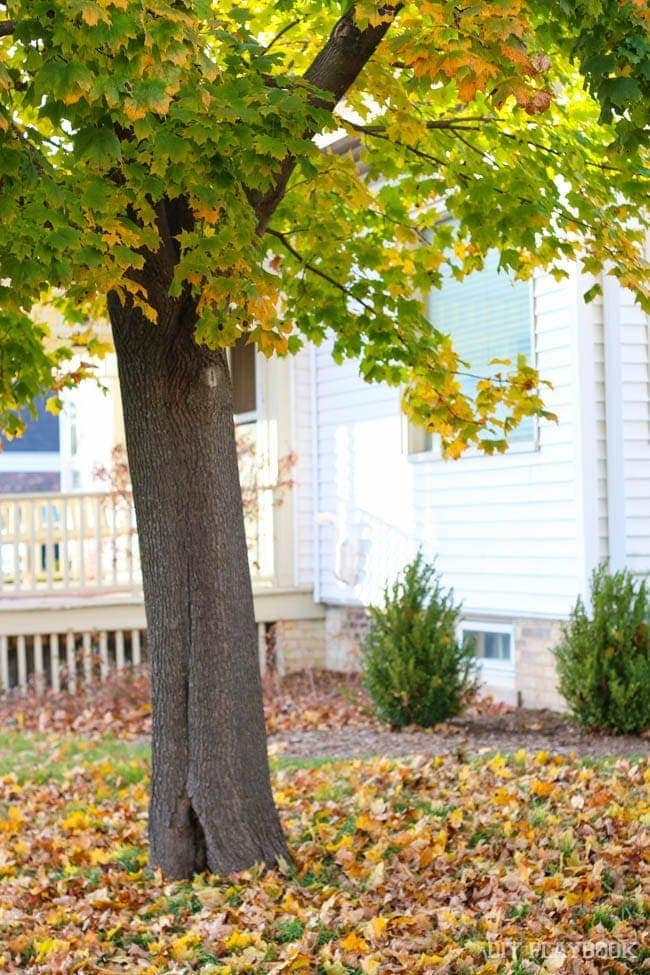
242	373
488	315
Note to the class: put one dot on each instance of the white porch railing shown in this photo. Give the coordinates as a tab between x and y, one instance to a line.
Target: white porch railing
87	544
68	660
67	543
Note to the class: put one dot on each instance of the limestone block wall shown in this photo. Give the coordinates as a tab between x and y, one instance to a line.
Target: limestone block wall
535	673
345	628
297	644
333	643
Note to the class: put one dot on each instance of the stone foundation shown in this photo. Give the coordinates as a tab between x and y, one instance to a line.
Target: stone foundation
536	677
296	644
333	643
345	628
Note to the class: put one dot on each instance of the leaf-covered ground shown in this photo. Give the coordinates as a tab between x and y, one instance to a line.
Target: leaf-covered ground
510	864
120	705
316	714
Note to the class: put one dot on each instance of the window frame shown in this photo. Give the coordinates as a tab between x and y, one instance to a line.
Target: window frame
492	671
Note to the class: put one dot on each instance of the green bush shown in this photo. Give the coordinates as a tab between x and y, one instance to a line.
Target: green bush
415	669
603	660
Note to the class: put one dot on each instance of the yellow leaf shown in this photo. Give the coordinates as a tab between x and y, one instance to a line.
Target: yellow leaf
182	948
440	842
426	961
54	405
13	822
49	946
365	822
133	111
300	963
76	821
541	789
239	939
376	927
90	14
352	942
455	818
370	966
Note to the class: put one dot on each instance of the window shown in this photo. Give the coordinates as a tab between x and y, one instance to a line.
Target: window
494	646
244	381
488	315
41	436
490	646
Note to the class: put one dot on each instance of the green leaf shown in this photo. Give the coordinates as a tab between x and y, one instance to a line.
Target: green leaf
99	145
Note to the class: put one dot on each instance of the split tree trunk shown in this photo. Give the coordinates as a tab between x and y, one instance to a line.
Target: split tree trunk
211	803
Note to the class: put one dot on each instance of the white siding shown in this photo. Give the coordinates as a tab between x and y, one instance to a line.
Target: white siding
636	432
303	472
505	529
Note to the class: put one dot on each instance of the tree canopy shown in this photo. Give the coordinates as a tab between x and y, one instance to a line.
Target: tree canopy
517	125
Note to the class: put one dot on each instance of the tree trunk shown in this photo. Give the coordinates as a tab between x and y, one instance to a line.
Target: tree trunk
211	802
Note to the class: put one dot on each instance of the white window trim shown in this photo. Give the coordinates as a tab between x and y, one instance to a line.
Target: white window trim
434	455
30	462
492	670
250	417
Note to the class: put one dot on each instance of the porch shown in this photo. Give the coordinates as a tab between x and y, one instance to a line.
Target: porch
71	602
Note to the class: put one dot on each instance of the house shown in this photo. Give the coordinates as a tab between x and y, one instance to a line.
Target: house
515	535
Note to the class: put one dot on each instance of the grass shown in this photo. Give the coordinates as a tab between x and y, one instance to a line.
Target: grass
48	758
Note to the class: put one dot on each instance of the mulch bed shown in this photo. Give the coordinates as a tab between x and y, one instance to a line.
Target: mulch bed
317	714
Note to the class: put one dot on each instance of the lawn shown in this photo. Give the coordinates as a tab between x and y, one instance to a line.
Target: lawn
519	863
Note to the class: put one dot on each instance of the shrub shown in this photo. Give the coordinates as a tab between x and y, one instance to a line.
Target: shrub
415	669
603	660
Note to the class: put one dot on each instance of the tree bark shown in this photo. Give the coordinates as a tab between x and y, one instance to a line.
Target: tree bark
211	802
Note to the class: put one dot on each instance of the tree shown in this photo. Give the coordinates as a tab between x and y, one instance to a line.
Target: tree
159	161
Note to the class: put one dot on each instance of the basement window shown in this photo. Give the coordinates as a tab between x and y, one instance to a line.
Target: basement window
494	646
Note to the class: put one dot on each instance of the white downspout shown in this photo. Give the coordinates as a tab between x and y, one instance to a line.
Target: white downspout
584	407
295	521
313	383
614	423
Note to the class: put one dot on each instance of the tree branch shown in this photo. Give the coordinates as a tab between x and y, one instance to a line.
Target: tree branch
469	122
333	71
280	34
317	271
7	27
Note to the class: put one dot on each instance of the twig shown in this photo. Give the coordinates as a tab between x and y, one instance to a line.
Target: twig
317	271
281	33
